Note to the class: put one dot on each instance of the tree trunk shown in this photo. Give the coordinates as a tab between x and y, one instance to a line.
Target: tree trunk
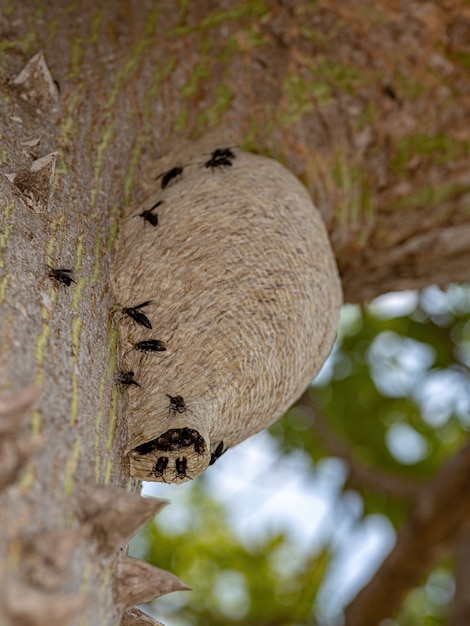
366	103
461	603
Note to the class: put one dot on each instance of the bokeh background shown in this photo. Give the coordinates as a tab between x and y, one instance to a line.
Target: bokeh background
285	528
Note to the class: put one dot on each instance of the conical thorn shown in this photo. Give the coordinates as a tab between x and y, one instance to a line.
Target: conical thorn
136	617
14	455
35	182
14	406
114	514
27	606
36	85
46	555
138	582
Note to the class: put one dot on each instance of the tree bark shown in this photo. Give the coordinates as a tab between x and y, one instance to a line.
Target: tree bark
460	613
437	520
367	104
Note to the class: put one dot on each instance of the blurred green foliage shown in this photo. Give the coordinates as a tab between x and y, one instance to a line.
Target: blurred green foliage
396	394
232	583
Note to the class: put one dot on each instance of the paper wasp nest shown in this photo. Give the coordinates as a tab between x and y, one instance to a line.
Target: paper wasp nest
230	298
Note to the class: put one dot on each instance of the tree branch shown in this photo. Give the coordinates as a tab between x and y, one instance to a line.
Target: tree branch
460	614
440	253
441	513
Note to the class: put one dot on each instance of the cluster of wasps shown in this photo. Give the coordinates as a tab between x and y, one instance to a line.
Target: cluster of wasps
219	158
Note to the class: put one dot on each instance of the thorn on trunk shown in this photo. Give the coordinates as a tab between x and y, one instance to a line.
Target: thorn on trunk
35	183
27	606
138	582
36	85
14	406
136	617
45	556
114	515
15	451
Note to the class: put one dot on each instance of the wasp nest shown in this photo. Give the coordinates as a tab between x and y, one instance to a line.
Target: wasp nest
230	301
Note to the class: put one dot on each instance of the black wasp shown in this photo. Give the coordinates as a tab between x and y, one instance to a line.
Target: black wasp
138	316
167	177
149	216
160	466
177	404
150	345
181	465
62	276
218	453
127	378
220	158
390	92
